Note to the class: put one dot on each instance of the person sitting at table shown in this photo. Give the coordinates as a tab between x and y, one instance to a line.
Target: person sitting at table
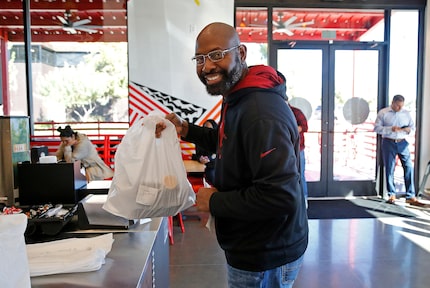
207	157
76	146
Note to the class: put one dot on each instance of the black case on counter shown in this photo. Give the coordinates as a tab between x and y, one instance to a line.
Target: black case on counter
48	225
55	183
41	184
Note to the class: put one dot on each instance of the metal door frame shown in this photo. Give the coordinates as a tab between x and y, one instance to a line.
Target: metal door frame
325	187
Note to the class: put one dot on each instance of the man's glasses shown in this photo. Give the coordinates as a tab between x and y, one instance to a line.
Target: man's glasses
214	56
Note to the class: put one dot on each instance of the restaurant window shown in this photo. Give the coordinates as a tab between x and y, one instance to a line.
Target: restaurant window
403	56
251	25
403	69
79	64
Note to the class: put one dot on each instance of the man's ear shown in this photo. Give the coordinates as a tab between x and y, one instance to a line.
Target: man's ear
243	52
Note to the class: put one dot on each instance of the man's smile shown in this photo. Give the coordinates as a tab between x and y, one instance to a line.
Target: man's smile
213	78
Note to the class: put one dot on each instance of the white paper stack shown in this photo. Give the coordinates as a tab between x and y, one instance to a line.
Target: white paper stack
69	255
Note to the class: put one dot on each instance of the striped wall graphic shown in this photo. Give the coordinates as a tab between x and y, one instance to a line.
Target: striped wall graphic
143	99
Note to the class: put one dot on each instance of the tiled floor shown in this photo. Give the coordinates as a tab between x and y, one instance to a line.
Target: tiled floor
353	253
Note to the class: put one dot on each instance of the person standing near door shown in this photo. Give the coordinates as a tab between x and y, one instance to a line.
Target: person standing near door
257	201
394	124
302	125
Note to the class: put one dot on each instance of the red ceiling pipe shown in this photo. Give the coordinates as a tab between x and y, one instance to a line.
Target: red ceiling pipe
4	63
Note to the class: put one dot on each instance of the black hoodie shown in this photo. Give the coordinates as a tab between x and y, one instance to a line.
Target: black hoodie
260	213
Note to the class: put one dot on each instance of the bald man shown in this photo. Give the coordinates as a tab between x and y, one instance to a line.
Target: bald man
257	201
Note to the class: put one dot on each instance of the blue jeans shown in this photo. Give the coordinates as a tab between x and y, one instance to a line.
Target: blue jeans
389	152
280	277
302	173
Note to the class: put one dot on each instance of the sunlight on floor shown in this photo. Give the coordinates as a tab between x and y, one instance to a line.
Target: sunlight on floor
420	240
415	229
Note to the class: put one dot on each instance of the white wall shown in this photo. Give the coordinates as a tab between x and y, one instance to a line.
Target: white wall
161	41
424	152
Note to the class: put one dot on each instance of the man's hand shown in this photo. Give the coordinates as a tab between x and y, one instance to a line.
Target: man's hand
395	128
180	125
398	129
159	127
204	159
203	197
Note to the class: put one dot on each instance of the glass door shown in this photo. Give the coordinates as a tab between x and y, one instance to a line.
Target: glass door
336	86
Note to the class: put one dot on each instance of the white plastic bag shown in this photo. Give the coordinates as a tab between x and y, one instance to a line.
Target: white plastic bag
150	178
14	268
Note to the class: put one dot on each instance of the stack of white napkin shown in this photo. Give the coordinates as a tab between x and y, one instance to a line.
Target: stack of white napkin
14	271
69	255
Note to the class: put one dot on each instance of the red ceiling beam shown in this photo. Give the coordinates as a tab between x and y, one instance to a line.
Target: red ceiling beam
113	18
66	5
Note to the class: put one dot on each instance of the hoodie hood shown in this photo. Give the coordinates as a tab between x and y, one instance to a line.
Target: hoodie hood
258	77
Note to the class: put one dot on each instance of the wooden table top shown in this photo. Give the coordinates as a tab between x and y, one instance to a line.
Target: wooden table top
193	166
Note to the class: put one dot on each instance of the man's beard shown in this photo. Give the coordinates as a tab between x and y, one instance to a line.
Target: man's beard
229	80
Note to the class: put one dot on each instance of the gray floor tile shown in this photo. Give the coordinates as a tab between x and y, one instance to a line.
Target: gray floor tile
351	253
